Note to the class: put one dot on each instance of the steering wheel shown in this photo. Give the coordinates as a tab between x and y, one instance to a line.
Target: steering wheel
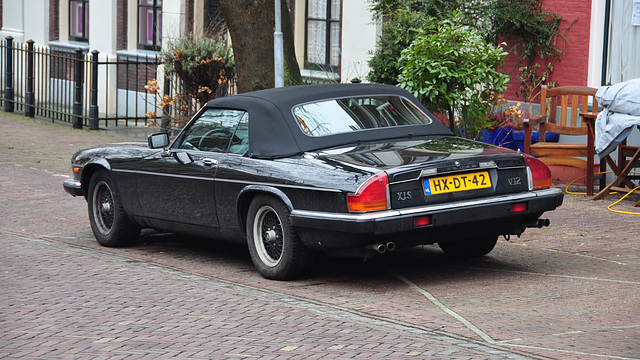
219	140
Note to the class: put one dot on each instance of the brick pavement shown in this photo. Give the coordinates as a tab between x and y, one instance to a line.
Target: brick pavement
568	291
63	302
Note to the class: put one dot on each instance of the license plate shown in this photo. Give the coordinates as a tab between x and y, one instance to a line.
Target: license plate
453	183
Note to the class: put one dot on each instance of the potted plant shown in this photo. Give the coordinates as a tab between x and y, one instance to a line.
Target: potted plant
204	66
500	125
530	82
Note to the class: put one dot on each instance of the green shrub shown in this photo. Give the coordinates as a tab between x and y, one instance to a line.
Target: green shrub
451	69
399	29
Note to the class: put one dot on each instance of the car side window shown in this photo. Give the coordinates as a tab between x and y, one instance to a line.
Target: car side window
242	134
213	131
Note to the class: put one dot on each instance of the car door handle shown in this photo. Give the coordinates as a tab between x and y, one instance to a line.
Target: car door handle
209	162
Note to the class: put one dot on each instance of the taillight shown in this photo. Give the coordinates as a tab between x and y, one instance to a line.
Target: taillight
422	221
518	207
370	196
539	173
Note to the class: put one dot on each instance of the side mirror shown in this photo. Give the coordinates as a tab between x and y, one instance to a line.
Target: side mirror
160	140
182	157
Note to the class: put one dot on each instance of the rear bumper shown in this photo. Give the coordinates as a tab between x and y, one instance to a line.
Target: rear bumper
453	215
73	187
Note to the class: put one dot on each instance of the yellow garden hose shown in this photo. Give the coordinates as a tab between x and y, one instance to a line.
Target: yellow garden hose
566	189
624	212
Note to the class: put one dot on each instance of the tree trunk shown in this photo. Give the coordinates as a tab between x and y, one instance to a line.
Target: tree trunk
452	120
291	69
251	25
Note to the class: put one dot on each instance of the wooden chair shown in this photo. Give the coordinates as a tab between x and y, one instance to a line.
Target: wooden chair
573	102
628	159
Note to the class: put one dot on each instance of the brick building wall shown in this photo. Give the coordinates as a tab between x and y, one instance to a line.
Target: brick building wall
572	69
121	39
134	76
62	65
54	20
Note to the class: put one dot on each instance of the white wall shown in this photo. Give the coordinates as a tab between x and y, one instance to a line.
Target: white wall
103	28
36	21
13	20
25	20
173	20
359	35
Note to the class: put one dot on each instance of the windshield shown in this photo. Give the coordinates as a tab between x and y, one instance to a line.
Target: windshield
354	114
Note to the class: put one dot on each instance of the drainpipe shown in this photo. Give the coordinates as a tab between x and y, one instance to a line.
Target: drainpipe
278	47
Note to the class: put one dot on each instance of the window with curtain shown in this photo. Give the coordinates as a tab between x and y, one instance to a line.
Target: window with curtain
149	24
79	20
623	57
322	50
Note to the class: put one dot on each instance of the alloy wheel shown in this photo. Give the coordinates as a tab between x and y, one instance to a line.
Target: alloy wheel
268	235
103	207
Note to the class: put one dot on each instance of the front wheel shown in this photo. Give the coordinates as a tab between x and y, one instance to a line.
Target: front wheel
109	222
469	248
274	245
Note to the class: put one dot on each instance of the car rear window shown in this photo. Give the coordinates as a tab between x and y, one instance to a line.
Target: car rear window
344	115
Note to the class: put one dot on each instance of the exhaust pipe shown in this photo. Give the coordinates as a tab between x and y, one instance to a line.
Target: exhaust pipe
391	246
540	223
379	248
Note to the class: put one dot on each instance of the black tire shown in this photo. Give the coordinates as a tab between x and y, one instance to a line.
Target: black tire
274	245
469	248
109	222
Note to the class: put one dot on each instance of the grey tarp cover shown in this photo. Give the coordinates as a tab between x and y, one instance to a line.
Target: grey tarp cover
621	113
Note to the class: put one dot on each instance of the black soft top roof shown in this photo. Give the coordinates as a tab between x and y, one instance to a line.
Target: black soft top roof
273	131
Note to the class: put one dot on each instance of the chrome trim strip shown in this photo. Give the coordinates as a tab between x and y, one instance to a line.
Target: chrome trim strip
229	180
72	183
423	209
344	216
280	185
512	167
403	181
164	174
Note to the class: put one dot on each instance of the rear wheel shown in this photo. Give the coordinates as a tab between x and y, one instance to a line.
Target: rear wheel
274	245
469	248
109	222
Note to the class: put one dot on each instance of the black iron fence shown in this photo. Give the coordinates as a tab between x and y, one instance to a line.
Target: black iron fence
85	89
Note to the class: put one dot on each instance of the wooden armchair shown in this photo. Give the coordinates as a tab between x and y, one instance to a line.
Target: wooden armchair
573	102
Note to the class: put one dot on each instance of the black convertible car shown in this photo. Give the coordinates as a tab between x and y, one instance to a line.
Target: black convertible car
344	169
